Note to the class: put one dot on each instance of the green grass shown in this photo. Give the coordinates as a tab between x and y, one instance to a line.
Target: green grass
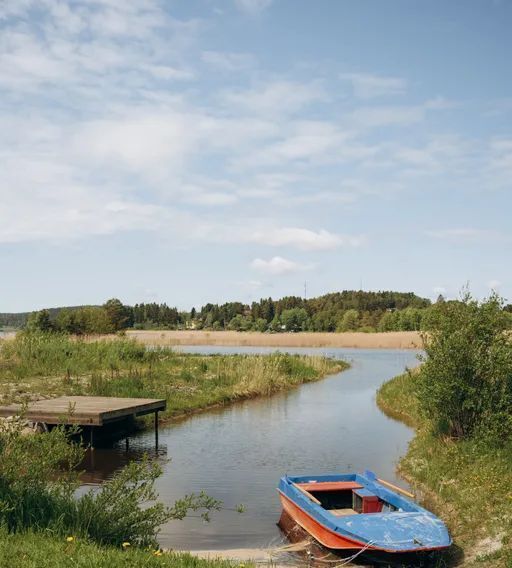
467	483
36	365
35	550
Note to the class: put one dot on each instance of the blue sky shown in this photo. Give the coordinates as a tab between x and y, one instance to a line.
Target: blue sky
194	151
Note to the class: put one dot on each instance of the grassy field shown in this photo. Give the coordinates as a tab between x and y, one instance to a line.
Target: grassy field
466	483
43	365
33	550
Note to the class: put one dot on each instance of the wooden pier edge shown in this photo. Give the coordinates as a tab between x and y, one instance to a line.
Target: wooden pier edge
88	411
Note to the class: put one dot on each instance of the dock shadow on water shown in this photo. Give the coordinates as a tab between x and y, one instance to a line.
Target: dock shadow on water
238	453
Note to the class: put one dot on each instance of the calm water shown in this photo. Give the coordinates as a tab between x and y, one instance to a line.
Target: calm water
238	454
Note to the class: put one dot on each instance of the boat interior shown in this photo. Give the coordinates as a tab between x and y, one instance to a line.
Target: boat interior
343	498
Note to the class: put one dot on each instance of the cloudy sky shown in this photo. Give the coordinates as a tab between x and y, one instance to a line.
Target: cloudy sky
205	150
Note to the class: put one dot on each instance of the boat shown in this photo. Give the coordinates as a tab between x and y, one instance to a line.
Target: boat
359	512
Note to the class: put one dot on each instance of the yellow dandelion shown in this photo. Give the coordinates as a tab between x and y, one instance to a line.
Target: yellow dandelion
126	544
70	539
157	553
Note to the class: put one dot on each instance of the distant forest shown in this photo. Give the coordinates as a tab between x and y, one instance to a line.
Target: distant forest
335	312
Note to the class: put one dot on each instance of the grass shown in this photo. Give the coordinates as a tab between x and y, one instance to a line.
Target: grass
37	365
35	550
34	366
467	483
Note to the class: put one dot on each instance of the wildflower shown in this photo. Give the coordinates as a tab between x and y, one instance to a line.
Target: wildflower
70	539
126	545
157	553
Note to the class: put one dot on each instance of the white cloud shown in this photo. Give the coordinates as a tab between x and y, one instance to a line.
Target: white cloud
371	116
369	86
399	115
278	266
253	6
282	97
304	239
501	156
466	235
137	141
228	61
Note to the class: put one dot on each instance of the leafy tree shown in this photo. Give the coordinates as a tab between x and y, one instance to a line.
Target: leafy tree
260	325
240	323
410	319
465	384
275	324
40	321
120	316
388	322
295	319
324	320
349	321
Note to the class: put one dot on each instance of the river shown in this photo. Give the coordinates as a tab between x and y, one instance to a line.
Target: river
237	454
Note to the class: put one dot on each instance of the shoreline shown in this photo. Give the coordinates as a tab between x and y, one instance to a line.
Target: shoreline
353	340
447	476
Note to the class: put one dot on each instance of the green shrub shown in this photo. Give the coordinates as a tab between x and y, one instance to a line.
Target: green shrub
39	478
465	384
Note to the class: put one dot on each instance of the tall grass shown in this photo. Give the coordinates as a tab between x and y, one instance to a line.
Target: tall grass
50	364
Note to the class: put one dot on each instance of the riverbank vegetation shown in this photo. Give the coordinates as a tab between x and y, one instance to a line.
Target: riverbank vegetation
36	550
44	523
41	516
37	364
460	402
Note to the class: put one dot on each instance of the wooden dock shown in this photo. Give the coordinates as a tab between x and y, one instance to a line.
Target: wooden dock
88	411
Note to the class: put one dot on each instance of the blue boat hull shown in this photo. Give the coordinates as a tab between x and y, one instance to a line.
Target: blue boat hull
394	525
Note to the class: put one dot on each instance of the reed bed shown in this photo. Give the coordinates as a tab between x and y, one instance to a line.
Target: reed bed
42	365
384	340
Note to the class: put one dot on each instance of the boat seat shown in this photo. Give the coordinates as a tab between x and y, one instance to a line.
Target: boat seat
342	512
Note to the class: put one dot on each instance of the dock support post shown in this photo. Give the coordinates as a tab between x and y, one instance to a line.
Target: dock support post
127	444
91	438
156	430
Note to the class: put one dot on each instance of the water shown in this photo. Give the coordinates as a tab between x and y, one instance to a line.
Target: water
237	454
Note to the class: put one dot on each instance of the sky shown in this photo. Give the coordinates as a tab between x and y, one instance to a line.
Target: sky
210	150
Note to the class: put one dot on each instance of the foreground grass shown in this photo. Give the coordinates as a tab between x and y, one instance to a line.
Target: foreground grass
468	484
33	550
34	366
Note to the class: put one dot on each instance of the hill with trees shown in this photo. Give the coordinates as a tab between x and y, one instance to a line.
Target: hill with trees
335	312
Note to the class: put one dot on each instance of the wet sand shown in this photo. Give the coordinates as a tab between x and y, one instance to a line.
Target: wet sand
389	340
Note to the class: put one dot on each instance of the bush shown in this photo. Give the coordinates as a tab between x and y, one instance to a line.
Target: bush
465	385
38	481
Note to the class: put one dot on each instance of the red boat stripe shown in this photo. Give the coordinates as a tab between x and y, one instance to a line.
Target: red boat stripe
330	538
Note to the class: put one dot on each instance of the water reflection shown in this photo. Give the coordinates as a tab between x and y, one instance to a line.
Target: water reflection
237	454
100	464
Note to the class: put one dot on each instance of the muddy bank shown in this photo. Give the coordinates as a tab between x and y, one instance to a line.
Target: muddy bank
389	340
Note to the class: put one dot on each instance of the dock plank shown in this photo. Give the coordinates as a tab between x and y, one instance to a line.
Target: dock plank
85	410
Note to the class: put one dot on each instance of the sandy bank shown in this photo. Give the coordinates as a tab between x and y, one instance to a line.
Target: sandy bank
240	554
390	340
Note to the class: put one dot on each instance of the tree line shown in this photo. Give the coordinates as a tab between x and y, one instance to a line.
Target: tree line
334	312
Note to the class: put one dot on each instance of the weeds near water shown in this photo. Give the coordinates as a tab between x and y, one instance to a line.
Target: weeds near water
36	364
39	477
